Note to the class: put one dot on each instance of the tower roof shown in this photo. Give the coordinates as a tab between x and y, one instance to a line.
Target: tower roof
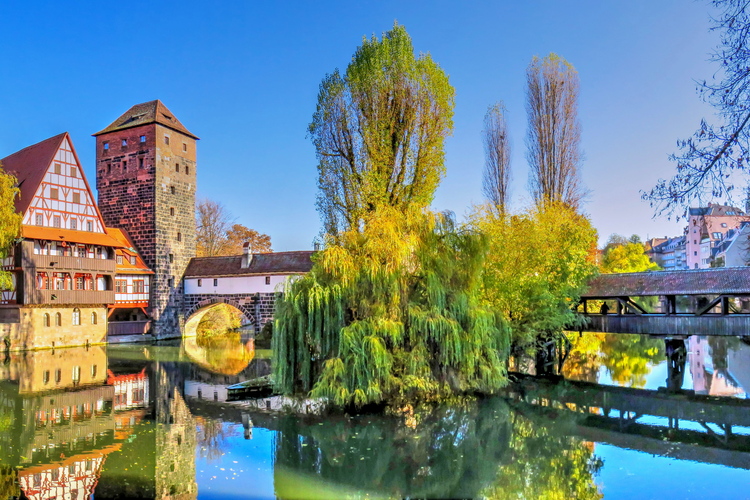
29	166
144	114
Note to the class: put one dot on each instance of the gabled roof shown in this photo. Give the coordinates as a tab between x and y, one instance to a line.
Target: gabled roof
716	210
145	113
30	165
725	280
127	250
262	264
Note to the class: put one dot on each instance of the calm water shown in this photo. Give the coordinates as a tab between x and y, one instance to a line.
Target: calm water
154	422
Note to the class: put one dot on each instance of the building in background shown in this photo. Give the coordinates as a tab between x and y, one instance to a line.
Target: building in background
707	226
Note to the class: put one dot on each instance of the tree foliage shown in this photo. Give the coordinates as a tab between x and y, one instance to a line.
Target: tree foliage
391	312
537	265
378	131
216	235
10	222
707	161
554	133
238	235
497	149
627	258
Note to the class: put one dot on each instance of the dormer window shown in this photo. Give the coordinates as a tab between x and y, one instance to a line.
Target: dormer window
132	260
119	259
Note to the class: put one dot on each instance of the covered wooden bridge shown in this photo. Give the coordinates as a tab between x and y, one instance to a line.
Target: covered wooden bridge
696	302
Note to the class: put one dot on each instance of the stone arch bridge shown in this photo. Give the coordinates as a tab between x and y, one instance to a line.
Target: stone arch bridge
251	283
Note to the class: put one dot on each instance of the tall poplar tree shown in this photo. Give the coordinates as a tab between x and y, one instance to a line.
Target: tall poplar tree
554	133
496	140
379	130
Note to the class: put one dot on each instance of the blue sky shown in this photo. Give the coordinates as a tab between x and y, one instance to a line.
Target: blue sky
244	77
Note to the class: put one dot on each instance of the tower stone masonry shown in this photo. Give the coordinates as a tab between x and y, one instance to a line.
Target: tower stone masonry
146	180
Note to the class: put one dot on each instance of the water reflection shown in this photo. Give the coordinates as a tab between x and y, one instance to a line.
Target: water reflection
155	422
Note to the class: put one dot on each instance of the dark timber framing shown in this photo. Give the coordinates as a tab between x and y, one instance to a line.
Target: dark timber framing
697	302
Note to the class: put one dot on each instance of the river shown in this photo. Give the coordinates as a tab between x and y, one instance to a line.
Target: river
622	416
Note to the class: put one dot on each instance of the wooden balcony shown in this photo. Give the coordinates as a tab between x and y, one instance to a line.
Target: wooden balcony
62	263
128	327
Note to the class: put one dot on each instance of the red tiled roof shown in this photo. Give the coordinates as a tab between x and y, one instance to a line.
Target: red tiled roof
128	250
725	280
263	263
145	113
29	166
69	235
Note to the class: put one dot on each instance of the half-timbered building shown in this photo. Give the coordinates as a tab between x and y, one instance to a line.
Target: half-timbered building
129	314
64	266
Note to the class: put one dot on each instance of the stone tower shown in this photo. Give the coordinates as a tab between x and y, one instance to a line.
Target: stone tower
146	180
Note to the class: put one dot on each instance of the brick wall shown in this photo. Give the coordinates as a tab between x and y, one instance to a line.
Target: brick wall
148	188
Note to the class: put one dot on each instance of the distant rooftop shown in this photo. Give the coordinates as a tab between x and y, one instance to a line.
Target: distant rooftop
145	113
716	210
263	263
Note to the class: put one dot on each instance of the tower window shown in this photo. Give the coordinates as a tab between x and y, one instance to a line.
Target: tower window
172	189
39	220
171	211
187	169
106	146
124	142
171	257
109	168
140	162
143	138
177	167
179	236
170	282
166	139
125	165
53	193
184	146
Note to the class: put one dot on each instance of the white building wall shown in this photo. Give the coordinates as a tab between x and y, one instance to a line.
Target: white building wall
236	284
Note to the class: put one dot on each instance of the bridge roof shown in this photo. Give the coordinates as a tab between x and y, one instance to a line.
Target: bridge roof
263	264
718	281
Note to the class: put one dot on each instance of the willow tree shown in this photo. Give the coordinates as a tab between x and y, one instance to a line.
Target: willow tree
554	133
497	146
379	130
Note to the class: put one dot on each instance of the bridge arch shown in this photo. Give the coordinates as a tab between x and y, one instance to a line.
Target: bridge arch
199	310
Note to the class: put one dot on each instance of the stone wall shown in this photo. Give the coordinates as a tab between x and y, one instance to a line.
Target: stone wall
148	188
29	331
258	308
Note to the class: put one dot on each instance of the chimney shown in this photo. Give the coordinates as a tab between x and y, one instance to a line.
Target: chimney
247	254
